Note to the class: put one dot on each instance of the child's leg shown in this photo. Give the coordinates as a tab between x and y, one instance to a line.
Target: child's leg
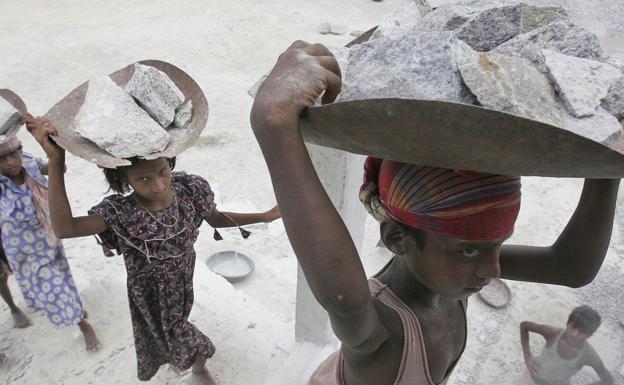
93	344
19	318
201	375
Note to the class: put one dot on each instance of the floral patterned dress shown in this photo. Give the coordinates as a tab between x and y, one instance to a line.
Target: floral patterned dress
158	253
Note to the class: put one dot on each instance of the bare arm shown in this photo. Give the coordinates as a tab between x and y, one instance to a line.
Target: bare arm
318	236
577	255
227	219
65	225
45	169
596	363
545	331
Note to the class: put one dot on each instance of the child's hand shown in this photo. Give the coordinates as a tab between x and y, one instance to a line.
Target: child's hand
41	129
271	215
302	73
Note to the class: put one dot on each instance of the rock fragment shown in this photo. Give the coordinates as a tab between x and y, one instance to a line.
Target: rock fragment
536	17
111	118
403	68
561	36
183	115
581	83
9	116
155	92
511	85
601	127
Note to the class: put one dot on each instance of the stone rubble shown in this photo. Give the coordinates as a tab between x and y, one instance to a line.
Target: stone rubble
9	116
113	120
183	115
155	92
580	83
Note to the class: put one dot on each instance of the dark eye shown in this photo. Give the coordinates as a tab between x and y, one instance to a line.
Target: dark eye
143	179
470	254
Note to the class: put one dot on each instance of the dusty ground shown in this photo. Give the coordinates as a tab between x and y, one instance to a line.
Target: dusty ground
49	48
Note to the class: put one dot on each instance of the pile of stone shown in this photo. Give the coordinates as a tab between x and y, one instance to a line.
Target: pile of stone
505	55
10	117
132	121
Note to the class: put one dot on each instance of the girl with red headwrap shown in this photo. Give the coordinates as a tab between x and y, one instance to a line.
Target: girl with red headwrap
407	324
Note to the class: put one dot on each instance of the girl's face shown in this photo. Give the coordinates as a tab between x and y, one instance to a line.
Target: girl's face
150	179
11	163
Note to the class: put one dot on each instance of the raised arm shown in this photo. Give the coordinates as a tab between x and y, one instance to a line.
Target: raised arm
65	225
318	236
227	219
576	256
593	360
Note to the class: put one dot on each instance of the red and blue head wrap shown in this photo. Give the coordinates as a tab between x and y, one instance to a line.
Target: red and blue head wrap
458	204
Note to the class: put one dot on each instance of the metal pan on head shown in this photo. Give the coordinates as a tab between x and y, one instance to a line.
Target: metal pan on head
459	136
62	115
19	105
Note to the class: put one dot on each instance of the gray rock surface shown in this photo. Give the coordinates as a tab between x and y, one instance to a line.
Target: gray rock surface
112	119
9	116
492	27
536	17
614	101
405	17
581	83
183	115
511	85
450	17
601	127
155	92
403	68
561	36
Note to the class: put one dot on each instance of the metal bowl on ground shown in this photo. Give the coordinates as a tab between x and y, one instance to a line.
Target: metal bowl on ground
231	265
496	294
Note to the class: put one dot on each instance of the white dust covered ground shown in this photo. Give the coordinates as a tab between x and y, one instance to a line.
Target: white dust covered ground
48	48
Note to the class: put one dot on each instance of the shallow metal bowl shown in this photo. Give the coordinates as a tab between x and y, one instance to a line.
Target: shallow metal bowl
231	265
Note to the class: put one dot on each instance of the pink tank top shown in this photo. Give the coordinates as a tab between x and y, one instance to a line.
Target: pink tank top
414	369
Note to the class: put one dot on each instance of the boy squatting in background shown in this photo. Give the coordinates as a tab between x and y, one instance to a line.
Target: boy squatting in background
154	227
566	351
34	254
406	325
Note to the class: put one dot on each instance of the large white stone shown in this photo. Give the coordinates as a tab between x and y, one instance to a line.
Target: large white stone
511	85
155	92
561	36
581	83
9	116
112	119
405	68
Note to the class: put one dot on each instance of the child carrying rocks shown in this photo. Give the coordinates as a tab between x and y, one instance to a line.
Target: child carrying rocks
32	251
153	220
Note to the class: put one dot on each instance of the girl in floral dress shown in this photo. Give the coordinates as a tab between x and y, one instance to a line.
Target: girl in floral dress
153	221
32	251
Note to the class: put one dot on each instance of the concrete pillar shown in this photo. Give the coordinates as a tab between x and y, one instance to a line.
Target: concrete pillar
341	175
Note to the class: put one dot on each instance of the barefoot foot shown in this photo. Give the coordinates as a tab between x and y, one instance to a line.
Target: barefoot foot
20	320
91	340
201	375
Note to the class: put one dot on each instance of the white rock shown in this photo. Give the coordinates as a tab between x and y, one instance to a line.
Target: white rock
183	115
111	118
9	116
155	92
581	83
511	85
403	68
601	127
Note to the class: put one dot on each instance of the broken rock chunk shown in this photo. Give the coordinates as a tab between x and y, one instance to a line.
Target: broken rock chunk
183	115
9	116
111	118
402	19
536	17
155	92
405	68
561	36
601	127
581	83
511	85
